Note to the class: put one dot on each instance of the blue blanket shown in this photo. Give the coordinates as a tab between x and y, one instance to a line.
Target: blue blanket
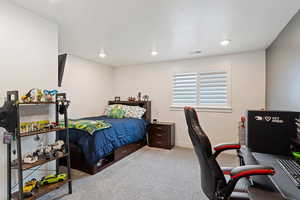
101	143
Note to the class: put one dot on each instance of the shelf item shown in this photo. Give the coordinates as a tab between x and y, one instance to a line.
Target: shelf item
61	107
31	133
42	190
36	103
26	166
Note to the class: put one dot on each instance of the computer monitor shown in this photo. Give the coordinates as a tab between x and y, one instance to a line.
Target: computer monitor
271	131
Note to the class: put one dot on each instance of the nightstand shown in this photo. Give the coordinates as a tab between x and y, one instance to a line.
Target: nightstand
162	135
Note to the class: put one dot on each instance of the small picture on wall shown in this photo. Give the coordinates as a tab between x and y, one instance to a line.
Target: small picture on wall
117	98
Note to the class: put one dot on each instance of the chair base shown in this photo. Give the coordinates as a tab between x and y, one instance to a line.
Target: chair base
239	196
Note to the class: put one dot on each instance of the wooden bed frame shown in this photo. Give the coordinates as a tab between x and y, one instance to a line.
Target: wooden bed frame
77	157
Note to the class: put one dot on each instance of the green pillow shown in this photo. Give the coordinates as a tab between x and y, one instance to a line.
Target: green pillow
116	112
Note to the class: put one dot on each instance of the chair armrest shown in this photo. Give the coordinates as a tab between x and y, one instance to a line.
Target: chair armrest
251	170
225	146
245	171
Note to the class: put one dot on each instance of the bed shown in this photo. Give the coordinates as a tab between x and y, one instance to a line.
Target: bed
93	153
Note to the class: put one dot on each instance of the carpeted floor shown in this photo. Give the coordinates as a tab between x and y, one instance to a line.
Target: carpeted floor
148	174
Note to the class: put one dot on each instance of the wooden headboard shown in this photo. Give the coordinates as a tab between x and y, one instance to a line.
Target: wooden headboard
143	104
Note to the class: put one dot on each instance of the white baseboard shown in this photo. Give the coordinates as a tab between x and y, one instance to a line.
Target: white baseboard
190	146
184	145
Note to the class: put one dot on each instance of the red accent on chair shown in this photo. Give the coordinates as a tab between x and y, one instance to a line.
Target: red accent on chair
226	172
254	172
235	146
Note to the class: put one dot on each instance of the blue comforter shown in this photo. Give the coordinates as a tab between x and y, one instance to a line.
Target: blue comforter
101	143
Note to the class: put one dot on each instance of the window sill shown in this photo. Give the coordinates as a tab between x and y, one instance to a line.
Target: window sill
203	109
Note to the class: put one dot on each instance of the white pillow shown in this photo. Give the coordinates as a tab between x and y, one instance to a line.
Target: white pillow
130	111
134	111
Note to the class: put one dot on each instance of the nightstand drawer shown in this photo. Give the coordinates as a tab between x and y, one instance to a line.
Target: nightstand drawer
160	128
159	143
160	136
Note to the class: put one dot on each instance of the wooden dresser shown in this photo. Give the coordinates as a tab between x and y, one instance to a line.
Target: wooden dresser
162	135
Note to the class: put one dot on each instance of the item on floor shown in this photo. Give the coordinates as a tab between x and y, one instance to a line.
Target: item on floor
30	187
50	179
162	135
139	96
145	98
155	121
30	158
117	98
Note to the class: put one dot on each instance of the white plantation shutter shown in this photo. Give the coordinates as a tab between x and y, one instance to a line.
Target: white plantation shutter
213	89
185	89
202	90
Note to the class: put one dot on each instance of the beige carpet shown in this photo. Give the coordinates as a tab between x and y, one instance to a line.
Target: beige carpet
148	174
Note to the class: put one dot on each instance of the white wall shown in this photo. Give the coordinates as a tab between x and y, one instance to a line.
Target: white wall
248	91
283	69
28	58
88	86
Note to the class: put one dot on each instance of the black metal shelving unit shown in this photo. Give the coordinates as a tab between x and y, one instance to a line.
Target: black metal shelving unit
61	110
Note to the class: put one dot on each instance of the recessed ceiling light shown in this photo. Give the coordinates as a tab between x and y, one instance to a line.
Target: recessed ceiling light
225	43
102	54
154	53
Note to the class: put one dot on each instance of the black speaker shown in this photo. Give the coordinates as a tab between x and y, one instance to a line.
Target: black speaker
61	68
271	131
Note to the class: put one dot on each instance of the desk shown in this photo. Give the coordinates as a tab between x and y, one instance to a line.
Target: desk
260	194
280	183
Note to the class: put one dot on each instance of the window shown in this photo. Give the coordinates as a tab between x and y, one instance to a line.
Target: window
202	90
185	89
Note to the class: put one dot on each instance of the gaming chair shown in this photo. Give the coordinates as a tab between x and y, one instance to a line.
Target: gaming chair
220	183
